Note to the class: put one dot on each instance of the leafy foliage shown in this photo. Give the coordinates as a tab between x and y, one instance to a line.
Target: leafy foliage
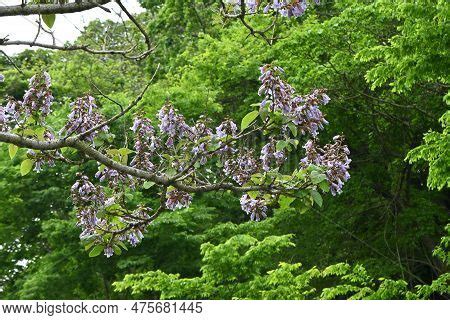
384	64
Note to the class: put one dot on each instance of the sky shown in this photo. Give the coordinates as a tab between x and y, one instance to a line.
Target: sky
66	26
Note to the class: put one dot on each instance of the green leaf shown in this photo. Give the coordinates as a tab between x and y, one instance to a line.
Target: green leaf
316	197
89	245
248	119
253	194
96	251
281	145
285	202
49	19
317	177
293	129
325	186
148	184
120	243
12	148
117	250
125	151
26	166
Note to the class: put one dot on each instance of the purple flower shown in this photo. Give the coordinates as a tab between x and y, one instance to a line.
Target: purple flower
113	177
172	124
3	120
145	144
269	155
226	128
256	208
38	98
109	252
177	199
84	116
2	78
334	158
241	168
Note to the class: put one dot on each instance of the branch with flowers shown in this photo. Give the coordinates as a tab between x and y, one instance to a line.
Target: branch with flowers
178	158
241	9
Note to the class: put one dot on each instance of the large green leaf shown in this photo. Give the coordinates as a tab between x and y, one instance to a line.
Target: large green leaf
26	166
49	19
248	119
12	149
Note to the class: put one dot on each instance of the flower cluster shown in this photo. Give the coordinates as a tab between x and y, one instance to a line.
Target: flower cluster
2	78
287	8
88	199
269	154
37	102
3	120
226	128
38	98
303	112
177	199
334	157
256	208
136	232
84	116
145	144
113	177
241	168
172	124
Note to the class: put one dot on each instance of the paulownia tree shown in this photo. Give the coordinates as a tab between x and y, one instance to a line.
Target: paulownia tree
179	158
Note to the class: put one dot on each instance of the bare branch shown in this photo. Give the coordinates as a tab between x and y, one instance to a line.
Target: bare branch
123	112
85	5
29	9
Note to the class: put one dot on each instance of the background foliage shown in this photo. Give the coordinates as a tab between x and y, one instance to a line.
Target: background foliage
385	65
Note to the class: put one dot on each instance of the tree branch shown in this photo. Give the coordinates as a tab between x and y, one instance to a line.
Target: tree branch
29	9
94	154
84	5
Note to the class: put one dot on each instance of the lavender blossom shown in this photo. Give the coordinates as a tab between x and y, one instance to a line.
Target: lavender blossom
84	116
177	199
226	128
38	98
2	78
269	154
334	157
109	252
256	208
145	144
88	199
241	168
113	177
302	111
4	127
172	124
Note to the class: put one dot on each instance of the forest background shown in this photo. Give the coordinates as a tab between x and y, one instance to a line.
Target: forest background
386	67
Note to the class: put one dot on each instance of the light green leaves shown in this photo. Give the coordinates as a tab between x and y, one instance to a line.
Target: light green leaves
96	251
26	166
316	197
317	177
148	184
248	119
49	19
12	149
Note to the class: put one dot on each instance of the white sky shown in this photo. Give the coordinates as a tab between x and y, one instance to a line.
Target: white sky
65	28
